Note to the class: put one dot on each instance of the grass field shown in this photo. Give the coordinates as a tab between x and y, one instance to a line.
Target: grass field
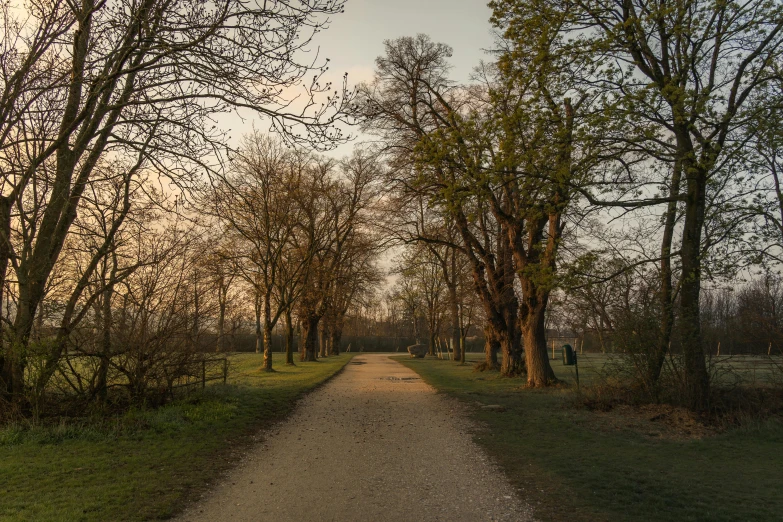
145	464
728	369
577	465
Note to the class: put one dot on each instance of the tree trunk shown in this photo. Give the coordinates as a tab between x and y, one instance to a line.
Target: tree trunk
15	358
289	339
539	371
5	253
101	386
491	348
455	323
310	337
695	367
267	343
322	340
511	347
259	333
510	337
512	363
336	336
491	283
656	359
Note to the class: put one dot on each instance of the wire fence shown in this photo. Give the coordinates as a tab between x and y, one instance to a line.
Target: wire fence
79	374
753	370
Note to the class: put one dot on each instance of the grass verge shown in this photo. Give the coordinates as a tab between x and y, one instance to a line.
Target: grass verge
145	464
572	464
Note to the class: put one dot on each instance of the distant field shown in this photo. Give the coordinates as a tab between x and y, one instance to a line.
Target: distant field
625	465
748	369
144	464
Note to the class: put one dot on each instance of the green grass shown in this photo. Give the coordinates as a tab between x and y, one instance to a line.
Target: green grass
569	466
145	464
750	370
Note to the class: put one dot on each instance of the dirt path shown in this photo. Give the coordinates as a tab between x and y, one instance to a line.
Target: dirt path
374	444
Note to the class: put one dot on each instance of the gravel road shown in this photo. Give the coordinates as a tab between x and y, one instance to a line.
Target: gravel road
373	444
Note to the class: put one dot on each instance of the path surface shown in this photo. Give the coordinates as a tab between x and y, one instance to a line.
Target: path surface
373	444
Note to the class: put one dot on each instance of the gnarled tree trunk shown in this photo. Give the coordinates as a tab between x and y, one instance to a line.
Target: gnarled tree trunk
539	371
491	349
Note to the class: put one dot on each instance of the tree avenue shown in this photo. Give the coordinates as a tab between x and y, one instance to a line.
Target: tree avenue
672	87
468	152
600	177
621	110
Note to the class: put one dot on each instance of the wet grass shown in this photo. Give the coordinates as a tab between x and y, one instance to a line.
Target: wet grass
145	464
569	464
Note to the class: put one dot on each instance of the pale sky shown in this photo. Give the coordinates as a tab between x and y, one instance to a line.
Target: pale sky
355	38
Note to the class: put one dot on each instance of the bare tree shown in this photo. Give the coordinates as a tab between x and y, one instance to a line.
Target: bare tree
219	262
82	81
259	203
354	287
419	269
340	219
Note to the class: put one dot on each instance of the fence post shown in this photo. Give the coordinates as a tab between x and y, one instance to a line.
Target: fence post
576	367
203	374
225	370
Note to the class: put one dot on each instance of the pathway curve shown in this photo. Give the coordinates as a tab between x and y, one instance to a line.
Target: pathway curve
373	444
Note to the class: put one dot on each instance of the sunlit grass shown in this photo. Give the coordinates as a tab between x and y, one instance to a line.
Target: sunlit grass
144	464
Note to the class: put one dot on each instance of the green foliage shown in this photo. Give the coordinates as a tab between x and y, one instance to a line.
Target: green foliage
144	464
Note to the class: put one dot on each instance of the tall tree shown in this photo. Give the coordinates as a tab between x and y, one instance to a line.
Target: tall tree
259	203
506	205
137	80
339	220
685	72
